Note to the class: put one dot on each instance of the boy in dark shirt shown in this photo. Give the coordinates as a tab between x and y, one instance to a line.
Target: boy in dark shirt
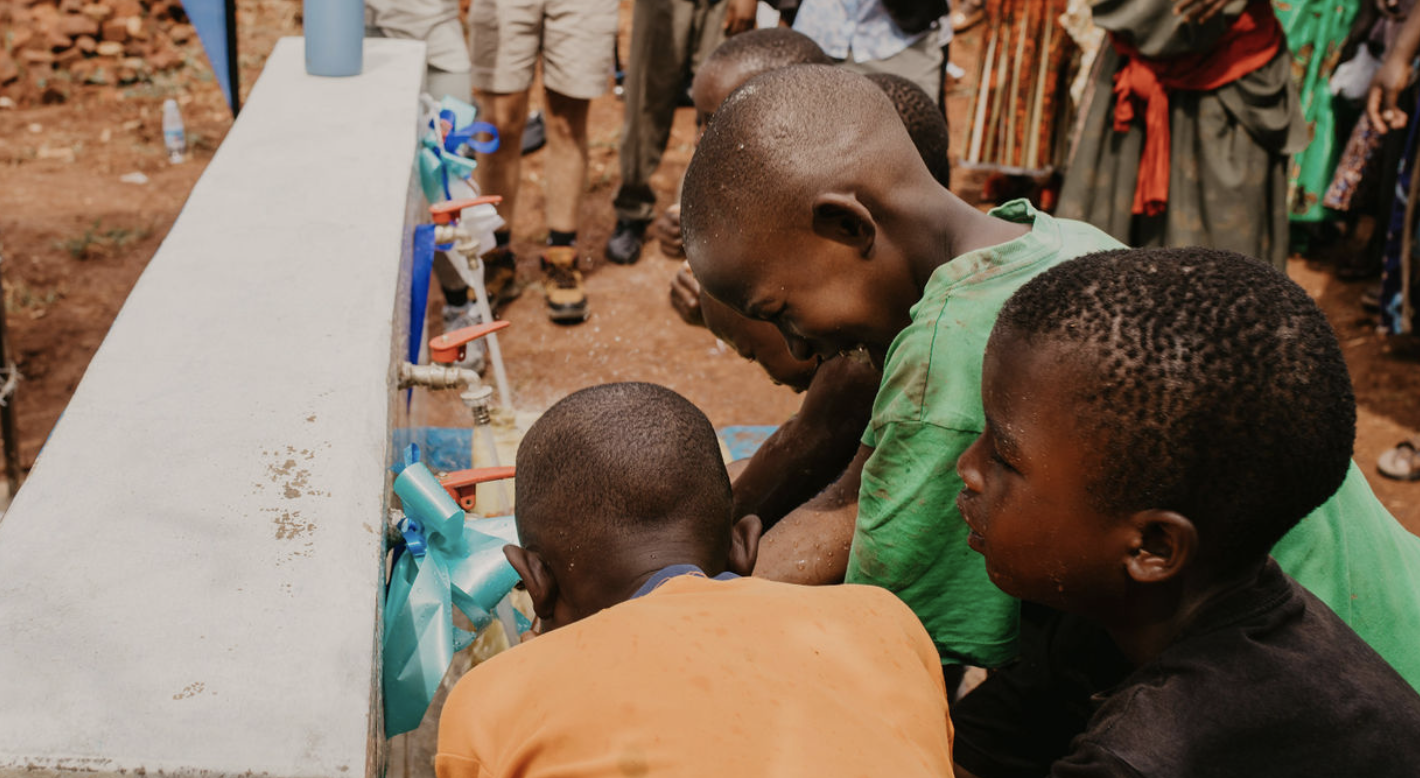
1155	421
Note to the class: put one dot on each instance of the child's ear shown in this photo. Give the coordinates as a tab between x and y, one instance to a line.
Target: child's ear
843	219
744	544
1162	544
537	578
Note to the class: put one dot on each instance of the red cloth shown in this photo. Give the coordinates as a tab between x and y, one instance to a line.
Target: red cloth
1252	41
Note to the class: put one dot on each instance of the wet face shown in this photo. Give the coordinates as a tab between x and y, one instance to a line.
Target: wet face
825	298
760	342
1026	494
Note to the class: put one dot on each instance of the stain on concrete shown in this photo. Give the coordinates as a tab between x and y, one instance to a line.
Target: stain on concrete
289	525
191	690
293	480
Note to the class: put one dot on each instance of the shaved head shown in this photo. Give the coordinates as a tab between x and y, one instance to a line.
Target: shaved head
758	51
801	205
747	55
784	134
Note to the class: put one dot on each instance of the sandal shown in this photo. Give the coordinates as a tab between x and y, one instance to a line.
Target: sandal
1402	462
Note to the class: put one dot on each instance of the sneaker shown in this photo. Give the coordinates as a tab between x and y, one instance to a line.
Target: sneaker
500	277
624	245
562	285
456	317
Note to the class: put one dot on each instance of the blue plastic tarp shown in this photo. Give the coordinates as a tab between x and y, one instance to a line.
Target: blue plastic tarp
215	22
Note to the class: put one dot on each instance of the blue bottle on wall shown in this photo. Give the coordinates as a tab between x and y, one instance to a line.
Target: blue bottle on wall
335	34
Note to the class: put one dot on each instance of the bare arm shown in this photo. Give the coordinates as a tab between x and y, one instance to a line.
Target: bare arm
1392	78
810	545
808	452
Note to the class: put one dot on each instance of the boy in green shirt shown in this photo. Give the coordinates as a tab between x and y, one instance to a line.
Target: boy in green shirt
807	206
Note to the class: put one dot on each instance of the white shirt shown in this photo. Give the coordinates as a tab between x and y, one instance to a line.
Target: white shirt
860	29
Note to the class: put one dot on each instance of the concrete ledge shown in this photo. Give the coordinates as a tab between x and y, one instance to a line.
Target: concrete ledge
189	581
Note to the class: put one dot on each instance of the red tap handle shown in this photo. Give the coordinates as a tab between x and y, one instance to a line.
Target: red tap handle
450	347
462	485
445	213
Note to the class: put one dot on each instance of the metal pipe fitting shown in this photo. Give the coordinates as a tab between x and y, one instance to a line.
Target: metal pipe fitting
437	377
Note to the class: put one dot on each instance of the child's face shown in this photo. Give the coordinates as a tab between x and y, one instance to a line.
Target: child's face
1026	494
824	297
760	342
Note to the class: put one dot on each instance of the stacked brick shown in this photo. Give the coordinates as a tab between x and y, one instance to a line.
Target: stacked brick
49	47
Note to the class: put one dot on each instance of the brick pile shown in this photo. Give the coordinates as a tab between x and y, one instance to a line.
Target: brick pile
49	47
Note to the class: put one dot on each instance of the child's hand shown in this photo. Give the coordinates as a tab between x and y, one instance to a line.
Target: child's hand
666	230
685	296
1386	86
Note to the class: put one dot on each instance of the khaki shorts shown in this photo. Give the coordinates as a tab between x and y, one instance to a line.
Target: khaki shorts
576	39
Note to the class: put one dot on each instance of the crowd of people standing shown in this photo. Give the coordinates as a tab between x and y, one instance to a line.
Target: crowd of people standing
1260	126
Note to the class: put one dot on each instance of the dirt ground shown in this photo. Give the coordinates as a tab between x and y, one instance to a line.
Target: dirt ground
75	239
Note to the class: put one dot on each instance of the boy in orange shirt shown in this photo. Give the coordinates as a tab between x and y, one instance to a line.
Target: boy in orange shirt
658	658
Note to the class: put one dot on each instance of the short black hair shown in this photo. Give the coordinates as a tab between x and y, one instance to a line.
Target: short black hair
926	123
616	461
1215	386
778	135
758	51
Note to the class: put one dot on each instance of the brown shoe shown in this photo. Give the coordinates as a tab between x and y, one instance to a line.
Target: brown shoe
562	285
500	277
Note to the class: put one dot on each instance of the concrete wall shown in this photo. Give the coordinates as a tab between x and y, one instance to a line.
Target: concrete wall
190	579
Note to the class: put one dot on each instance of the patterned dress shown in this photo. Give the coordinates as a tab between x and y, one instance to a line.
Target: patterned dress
1228	152
1316	31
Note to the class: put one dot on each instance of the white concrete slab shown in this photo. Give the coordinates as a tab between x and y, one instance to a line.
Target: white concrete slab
189	581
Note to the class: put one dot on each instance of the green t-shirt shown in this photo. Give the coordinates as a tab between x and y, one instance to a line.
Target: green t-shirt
909	537
911	540
1355	557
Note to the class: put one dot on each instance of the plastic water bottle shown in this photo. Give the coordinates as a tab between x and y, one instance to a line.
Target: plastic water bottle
335	35
174	136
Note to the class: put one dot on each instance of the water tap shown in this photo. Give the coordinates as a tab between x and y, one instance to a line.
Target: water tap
447	230
462	485
444	352
449	348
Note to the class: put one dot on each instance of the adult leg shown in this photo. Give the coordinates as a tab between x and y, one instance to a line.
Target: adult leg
566	167
706	32
653	75
566	174
667	36
504	39
498	173
577	48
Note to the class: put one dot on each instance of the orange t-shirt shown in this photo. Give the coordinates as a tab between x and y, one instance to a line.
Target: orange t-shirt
744	677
